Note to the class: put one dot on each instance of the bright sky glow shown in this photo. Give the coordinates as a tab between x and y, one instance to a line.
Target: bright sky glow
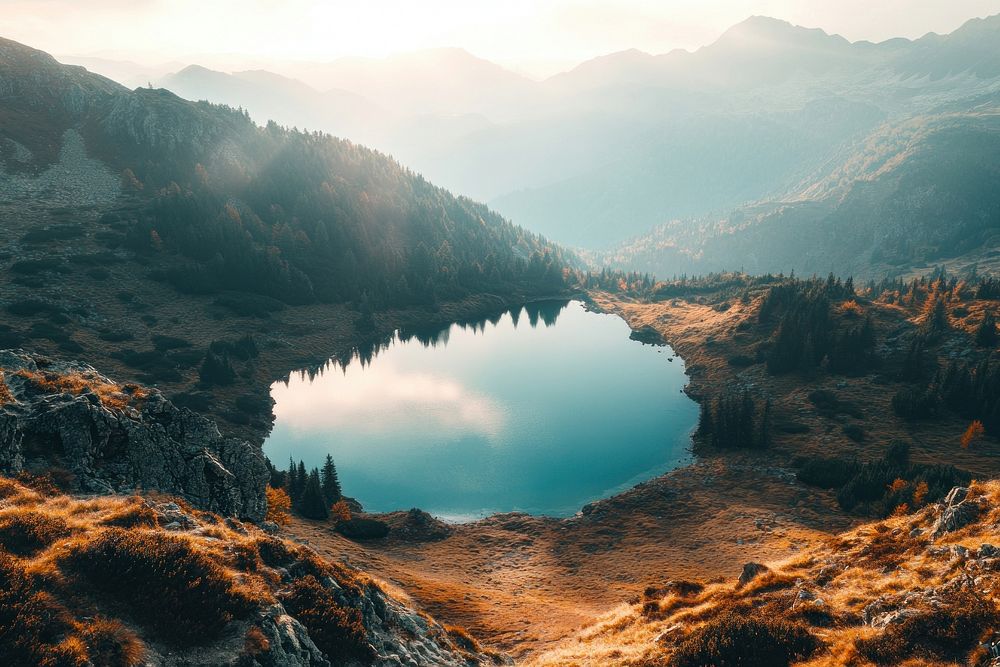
539	36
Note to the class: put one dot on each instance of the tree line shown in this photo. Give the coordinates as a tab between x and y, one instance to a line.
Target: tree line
308	217
735	420
311	493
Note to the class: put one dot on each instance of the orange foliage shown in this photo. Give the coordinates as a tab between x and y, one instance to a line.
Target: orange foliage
256	642
111	395
54	546
279	506
851	309
973	433
5	395
920	494
109	642
898	485
340	511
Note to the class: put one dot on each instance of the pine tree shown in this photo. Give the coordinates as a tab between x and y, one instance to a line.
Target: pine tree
297	478
745	437
705	424
986	333
291	479
301	478
312	504
330	481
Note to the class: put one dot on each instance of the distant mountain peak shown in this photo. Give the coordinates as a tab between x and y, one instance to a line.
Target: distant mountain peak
765	29
197	69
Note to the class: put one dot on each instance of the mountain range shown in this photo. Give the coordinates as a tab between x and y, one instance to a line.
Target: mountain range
629	141
911	194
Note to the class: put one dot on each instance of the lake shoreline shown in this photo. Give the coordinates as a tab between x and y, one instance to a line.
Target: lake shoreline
493	416
523	583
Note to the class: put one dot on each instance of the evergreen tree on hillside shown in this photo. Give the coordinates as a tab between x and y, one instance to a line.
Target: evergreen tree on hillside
217	369
986	333
291	477
935	314
312	504
296	479
330	481
733	421
302	477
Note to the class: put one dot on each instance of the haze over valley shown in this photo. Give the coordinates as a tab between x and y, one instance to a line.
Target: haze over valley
769	113
554	333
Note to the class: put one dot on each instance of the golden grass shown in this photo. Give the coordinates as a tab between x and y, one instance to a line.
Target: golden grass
77	576
873	560
111	394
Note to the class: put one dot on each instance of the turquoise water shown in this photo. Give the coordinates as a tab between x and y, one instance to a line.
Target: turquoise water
541	411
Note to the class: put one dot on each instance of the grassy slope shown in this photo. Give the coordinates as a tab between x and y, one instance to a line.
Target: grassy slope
79	574
846	573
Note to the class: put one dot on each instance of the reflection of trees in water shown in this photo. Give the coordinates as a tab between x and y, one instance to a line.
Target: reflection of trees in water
545	311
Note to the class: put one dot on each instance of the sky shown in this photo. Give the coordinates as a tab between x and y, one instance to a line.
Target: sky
537	37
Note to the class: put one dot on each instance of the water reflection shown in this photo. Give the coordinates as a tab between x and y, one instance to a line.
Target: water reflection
546	311
541	409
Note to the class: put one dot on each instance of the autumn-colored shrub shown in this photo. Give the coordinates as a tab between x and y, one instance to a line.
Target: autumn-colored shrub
337	631
463	640
851	309
340	511
946	633
275	552
32	622
974	432
134	515
279	506
747	640
882	549
44	483
255	643
301	562
10	488
195	597
109	643
24	532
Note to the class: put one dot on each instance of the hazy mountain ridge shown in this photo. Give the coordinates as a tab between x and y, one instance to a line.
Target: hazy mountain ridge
914	192
285	213
627	141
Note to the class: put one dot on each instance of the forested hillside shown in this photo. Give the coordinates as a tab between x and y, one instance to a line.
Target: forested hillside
295	216
180	244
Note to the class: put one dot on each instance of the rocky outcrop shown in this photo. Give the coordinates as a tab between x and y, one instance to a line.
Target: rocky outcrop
119	446
958	511
401	636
